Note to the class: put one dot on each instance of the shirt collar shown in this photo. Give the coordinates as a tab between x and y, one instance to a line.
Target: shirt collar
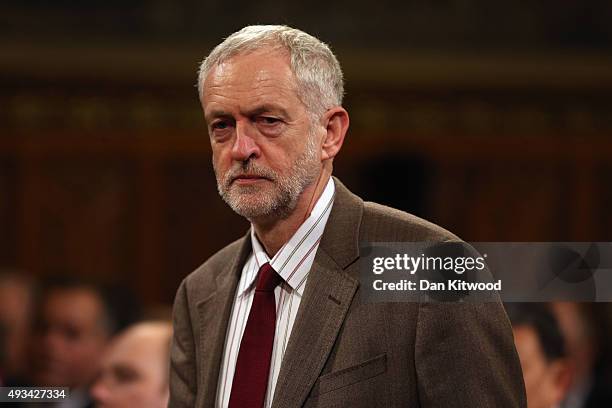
293	261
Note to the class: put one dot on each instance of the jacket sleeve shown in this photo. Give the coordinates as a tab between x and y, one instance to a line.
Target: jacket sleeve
465	357
183	376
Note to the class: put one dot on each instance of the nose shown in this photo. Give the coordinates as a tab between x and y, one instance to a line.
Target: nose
99	392
245	147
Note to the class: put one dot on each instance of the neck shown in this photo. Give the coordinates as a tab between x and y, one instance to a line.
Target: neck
274	233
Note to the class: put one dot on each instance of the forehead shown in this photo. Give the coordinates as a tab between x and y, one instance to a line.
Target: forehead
137	350
77	305
250	78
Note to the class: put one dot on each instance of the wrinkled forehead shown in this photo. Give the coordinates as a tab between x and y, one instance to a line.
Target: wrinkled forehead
249	71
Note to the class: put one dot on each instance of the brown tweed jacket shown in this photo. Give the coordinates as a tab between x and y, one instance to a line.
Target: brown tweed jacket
345	353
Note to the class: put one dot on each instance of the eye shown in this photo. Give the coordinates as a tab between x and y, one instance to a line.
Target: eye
125	374
219	125
220	130
268	120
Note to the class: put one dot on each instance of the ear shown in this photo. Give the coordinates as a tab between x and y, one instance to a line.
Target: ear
336	123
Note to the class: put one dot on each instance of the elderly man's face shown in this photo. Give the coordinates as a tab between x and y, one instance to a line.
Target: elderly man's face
265	151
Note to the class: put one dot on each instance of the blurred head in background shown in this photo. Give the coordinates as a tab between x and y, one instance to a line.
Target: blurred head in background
580	331
541	350
16	309
134	369
73	325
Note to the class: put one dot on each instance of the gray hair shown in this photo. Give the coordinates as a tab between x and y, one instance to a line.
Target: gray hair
320	83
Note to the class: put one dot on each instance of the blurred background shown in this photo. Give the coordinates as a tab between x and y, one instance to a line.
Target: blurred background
492	119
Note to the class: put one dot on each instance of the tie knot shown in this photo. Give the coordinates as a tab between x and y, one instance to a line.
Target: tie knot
267	278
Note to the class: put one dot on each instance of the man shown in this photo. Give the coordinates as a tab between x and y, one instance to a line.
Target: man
74	325
276	318
541	349
134	369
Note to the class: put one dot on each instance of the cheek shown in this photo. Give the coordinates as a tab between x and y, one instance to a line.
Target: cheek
143	394
532	376
89	349
133	394
278	158
221	159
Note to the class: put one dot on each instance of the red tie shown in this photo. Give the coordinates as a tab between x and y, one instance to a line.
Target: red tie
253	365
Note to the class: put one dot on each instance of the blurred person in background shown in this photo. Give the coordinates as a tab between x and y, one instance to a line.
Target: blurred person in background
75	321
541	347
16	309
588	389
134	368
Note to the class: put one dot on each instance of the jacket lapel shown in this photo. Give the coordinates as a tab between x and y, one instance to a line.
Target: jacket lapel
327	297
214	313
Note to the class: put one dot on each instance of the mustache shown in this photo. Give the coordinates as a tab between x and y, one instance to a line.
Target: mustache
248	169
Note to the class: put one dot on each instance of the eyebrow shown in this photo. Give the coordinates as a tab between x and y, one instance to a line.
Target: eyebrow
267	108
216	114
219	113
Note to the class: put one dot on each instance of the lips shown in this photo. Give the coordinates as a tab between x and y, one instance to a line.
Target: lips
248	178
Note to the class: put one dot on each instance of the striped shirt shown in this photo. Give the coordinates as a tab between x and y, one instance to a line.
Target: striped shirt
292	262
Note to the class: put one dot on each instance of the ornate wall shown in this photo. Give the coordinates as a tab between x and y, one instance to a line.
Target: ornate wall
495	122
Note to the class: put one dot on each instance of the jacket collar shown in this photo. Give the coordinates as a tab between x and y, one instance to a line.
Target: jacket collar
341	237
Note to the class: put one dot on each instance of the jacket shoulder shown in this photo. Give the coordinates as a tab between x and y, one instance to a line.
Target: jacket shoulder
381	223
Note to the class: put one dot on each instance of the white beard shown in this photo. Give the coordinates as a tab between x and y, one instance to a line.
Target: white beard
253	202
